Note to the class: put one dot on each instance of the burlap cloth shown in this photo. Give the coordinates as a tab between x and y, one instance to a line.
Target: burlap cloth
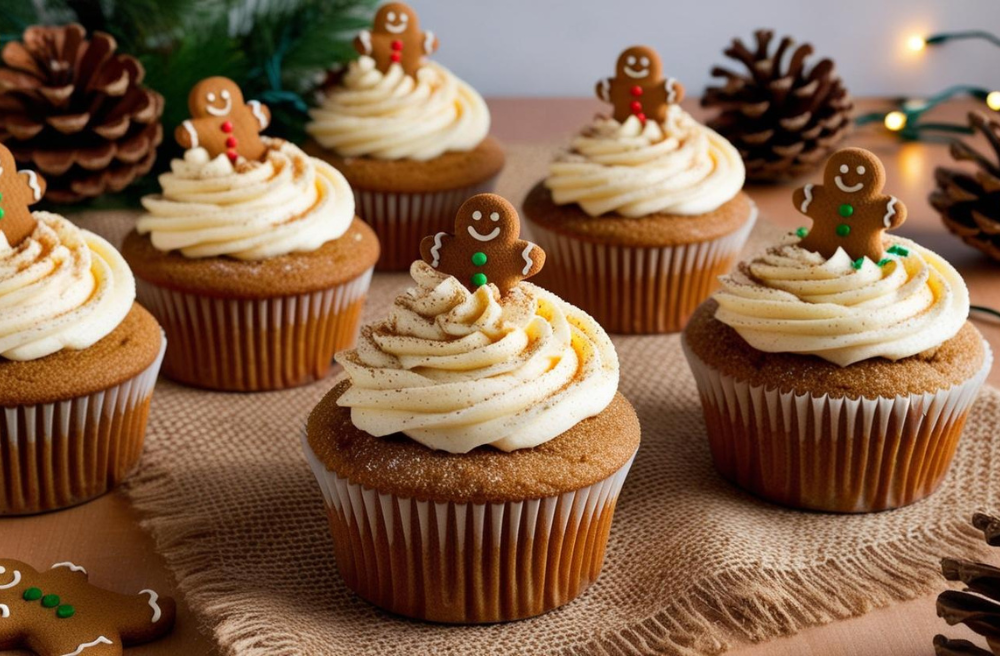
692	562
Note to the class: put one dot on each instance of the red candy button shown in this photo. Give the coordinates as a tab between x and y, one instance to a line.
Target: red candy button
231	142
641	117
636	106
395	56
397	45
232	155
227	127
636	91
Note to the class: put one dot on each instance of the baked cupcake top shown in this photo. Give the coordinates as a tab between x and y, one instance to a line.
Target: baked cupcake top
238	194
844	291
650	157
391	103
457	365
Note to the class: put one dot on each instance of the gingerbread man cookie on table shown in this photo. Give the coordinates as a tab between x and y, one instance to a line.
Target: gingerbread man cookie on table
395	37
18	190
638	87
222	123
485	247
849	210
58	613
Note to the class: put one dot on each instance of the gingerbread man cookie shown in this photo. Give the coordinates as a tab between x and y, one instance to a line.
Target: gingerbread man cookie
221	122
485	247
395	37
849	210
638	88
58	613
18	190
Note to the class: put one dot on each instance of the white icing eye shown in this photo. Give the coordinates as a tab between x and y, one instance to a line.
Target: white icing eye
211	97
630	61
404	18
644	61
391	17
494	216
477	215
844	168
225	94
861	170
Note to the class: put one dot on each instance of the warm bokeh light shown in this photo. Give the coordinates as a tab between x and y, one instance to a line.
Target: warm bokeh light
916	43
993	101
895	121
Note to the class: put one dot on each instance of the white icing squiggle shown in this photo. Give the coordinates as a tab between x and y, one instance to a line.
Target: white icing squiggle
70	566
4	611
153	597
436	249
36	190
890	211
87	645
808	192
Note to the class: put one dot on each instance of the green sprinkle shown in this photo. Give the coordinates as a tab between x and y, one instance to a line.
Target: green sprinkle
858	263
896	249
32	594
50	600
1	212
65	612
843	230
479	258
846	210
479	279
802	232
884	261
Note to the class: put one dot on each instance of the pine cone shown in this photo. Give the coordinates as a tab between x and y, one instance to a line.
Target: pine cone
978	606
969	200
783	120
75	111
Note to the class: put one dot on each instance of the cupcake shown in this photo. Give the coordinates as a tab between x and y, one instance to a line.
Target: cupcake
78	357
837	368
473	455
409	136
645	210
251	257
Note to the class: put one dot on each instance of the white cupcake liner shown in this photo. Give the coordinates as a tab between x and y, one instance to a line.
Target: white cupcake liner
633	289
401	219
468	562
834	454
57	455
255	344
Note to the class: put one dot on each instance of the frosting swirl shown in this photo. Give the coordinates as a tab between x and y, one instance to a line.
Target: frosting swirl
455	369
61	288
791	300
286	204
677	167
394	116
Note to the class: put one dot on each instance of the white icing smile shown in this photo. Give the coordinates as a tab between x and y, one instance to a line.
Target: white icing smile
219	111
848	190
636	73
394	26
491	235
15	579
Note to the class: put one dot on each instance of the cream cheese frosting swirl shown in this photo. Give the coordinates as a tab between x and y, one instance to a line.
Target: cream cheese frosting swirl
791	300
289	203
677	167
455	369
61	288
394	116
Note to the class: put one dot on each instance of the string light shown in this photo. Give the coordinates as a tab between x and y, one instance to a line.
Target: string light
993	100
916	43
895	121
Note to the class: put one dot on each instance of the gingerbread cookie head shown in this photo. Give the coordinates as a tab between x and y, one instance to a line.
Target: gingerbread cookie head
849	210
396	38
486	247
638	88
222	122
18	190
57	612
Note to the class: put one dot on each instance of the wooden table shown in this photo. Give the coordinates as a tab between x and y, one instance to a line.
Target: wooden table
105	533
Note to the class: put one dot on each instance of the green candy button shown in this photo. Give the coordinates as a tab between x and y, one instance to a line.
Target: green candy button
846	210
479	279
843	230
479	258
50	601
1	212
32	594
65	612
802	232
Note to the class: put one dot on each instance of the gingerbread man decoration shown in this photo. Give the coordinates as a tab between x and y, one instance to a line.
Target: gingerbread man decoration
395	38
18	190
58	613
485	247
849	210
221	122
638	88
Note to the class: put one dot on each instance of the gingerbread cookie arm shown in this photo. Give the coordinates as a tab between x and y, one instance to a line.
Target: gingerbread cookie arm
893	212
143	617
363	43
260	112
603	90
806	199
432	246
674	89
186	136
430	43
532	256
35	183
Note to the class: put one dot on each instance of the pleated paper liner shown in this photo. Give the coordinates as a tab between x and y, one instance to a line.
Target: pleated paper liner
638	290
401	220
58	455
832	454
259	344
464	562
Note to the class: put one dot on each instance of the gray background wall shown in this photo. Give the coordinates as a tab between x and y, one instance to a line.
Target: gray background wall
562	47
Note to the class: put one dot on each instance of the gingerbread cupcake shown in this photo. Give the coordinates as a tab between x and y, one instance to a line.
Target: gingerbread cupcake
645	209
78	357
487	498
410	137
836	369
251	258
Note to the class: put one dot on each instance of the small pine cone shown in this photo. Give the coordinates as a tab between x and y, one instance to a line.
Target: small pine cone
969	199
978	606
74	110
784	120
